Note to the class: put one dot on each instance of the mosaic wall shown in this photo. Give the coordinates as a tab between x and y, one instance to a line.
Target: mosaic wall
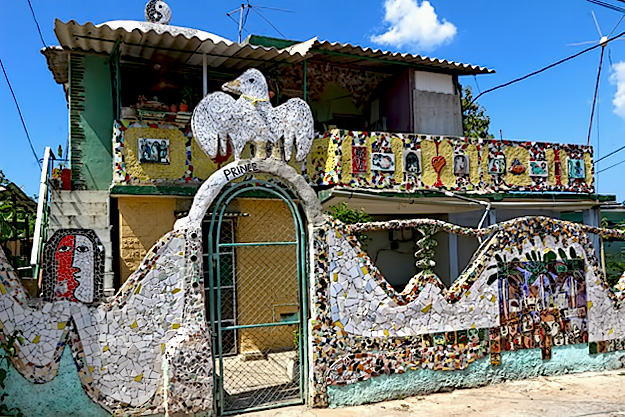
375	160
132	165
146	351
534	283
407	162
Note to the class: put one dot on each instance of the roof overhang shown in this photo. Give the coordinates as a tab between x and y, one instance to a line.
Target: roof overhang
162	43
405	204
367	58
186	46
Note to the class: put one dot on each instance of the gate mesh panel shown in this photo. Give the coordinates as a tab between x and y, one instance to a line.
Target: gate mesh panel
259	285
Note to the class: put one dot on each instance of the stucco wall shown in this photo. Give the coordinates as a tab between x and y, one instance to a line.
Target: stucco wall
142	221
266	275
91	121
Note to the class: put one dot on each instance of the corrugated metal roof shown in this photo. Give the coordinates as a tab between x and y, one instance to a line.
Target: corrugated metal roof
153	41
355	55
173	44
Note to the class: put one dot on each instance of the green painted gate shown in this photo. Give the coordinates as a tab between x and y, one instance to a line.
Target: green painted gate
255	273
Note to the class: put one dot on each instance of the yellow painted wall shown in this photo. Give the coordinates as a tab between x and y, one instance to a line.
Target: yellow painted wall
142	221
177	154
266	275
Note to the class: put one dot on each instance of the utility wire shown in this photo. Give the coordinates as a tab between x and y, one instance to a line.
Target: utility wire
271	24
19	111
531	74
37	23
594	98
611	166
610	154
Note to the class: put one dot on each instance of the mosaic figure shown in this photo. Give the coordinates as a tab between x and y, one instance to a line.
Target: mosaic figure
412	162
461	164
157	11
73	266
359	160
218	117
382	162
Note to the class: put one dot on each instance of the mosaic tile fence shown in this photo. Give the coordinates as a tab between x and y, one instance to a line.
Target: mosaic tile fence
534	283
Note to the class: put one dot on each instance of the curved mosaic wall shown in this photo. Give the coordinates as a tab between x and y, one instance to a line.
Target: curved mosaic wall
534	283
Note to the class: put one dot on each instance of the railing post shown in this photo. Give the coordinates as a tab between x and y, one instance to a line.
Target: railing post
42	207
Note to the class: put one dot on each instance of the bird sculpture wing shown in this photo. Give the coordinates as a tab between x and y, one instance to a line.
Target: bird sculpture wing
212	120
219	117
294	121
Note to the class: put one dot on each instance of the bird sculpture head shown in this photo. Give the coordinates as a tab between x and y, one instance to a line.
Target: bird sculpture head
157	11
251	85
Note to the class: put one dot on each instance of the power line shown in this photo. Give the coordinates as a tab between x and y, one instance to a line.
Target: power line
611	166
36	23
19	111
610	154
271	24
531	74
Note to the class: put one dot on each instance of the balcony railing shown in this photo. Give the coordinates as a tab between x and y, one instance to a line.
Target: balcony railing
372	160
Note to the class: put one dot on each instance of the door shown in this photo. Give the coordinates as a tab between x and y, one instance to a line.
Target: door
256	297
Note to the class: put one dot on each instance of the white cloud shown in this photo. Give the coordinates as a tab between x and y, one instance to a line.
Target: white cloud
618	78
414	25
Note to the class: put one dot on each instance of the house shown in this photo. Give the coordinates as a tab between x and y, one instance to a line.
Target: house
236	292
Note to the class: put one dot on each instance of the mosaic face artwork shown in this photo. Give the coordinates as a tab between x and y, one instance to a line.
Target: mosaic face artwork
412	162
497	165
534	284
461	164
129	351
155	151
73	266
219	118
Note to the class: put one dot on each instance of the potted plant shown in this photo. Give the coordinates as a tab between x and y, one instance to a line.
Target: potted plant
61	175
187	99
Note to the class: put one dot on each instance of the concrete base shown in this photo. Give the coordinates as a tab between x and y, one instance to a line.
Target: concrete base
521	364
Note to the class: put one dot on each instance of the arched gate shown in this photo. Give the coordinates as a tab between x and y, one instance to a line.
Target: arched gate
255	270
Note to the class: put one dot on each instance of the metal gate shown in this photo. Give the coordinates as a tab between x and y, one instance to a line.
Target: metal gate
255	274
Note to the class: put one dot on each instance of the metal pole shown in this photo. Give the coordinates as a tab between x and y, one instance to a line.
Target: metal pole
304	81
204	75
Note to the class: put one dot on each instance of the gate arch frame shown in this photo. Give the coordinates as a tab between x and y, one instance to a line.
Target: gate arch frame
213	293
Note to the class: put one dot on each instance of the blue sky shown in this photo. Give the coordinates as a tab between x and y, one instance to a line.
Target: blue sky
514	38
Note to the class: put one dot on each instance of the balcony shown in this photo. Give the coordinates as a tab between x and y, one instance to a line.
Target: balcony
162	154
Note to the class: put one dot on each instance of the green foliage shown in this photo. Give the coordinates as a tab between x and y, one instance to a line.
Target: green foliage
349	215
9	350
15	223
475	121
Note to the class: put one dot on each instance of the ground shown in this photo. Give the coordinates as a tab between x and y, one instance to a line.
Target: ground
575	395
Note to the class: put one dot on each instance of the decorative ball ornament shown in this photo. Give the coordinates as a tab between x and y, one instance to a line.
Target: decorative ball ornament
157	11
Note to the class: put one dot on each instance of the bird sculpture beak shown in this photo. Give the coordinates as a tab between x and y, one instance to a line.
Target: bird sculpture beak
232	86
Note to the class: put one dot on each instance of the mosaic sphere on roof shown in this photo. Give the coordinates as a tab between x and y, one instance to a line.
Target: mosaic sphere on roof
157	11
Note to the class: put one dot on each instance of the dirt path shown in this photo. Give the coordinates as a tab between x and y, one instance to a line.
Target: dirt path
577	395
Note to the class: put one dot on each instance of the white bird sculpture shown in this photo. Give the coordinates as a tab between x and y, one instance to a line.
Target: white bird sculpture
157	11
219	117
